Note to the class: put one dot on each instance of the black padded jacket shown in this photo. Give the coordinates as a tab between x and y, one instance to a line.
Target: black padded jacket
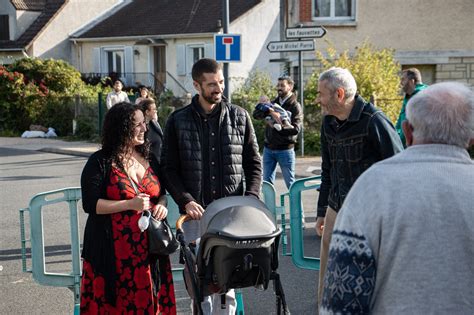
182	158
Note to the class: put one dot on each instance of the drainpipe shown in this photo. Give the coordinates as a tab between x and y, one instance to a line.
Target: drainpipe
225	22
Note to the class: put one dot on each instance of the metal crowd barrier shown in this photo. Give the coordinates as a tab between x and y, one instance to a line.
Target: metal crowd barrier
72	196
296	213
71	280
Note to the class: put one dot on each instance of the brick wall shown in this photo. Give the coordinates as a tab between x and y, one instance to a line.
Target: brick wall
460	69
305	10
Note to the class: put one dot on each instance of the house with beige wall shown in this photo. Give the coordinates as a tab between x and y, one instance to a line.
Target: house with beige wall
151	43
41	28
433	35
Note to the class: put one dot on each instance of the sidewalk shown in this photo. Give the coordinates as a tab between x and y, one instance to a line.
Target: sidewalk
305	166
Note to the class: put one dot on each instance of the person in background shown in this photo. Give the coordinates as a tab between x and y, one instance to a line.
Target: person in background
280	144
403	241
265	105
411	84
144	94
119	277
210	151
154	132
354	135
117	95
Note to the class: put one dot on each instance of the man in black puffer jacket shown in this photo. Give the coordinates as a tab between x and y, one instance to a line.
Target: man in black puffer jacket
209	148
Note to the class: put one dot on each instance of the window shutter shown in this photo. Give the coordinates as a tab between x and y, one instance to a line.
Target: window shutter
209	51
128	65
181	59
96	54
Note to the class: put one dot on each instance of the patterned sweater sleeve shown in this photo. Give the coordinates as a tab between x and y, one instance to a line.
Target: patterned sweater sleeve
351	273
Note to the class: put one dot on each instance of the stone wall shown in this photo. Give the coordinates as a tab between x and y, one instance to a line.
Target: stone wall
460	69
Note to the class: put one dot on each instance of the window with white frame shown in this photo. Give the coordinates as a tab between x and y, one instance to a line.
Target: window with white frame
188	54
115	61
197	53
334	10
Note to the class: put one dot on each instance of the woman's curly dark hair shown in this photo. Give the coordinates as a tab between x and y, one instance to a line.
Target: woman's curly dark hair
117	133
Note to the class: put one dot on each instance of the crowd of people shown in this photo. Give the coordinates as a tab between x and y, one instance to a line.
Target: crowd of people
390	196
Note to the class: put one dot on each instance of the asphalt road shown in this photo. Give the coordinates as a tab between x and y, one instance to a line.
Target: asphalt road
24	173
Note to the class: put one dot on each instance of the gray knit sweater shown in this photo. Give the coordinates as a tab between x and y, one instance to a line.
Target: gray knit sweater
403	242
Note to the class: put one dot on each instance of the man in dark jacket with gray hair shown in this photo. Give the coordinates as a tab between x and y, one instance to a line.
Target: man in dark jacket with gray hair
354	135
209	149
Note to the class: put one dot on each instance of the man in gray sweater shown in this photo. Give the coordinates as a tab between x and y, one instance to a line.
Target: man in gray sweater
403	240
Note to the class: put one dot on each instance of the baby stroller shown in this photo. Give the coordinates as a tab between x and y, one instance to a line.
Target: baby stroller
238	249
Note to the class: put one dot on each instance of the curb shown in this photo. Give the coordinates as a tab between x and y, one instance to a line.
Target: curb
66	152
304	168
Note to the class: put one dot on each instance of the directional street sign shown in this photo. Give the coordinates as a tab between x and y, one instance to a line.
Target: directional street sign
292	45
227	47
305	32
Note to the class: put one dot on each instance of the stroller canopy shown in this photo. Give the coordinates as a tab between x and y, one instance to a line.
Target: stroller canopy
238	217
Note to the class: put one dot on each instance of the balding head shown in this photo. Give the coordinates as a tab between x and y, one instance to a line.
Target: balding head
442	113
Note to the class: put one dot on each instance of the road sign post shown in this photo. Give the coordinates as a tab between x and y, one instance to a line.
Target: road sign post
299	46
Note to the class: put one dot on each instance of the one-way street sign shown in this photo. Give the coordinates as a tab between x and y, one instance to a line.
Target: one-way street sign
292	45
305	32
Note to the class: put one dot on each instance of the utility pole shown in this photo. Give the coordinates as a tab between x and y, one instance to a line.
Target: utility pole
300	92
225	20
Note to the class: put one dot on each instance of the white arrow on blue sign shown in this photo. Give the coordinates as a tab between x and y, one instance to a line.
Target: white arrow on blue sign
227	47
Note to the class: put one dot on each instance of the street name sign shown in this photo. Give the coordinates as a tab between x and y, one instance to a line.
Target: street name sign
305	32
292	45
227	47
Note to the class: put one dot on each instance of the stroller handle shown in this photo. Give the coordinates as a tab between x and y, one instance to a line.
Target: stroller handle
179	231
183	218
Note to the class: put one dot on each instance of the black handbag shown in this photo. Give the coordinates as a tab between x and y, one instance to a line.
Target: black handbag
161	239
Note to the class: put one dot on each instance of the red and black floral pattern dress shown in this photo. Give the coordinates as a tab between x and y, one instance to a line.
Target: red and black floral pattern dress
134	286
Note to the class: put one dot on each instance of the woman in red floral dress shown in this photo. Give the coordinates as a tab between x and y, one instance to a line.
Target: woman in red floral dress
119	276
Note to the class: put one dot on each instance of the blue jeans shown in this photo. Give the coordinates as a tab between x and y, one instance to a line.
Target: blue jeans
286	160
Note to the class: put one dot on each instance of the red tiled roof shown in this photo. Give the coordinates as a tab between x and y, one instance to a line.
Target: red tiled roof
48	11
163	17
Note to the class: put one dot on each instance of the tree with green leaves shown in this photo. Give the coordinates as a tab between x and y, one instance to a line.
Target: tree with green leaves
258	83
376	73
45	92
375	70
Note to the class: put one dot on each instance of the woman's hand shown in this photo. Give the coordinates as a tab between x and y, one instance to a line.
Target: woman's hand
159	212
140	202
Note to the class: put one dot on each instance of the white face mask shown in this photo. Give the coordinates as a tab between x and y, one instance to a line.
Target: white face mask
144	220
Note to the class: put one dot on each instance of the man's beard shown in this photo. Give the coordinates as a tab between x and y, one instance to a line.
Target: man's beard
282	94
212	98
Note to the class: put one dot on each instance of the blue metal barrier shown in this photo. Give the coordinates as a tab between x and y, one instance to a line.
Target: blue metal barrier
269	198
72	280
296	211
296	229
